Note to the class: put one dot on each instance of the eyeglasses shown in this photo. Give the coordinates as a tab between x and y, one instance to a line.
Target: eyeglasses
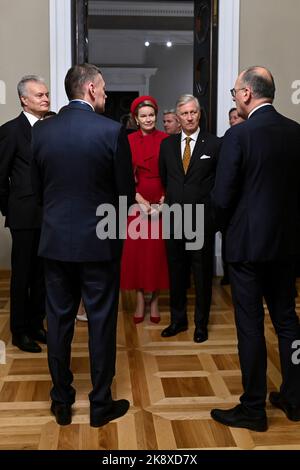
234	90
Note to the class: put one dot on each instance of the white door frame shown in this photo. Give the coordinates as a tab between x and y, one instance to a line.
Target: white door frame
60	50
228	67
228	59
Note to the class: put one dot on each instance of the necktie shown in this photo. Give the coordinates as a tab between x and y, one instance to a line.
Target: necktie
186	154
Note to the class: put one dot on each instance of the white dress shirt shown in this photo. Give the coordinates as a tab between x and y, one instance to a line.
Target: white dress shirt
31	118
193	140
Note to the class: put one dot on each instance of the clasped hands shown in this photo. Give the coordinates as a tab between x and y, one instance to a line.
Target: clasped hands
146	207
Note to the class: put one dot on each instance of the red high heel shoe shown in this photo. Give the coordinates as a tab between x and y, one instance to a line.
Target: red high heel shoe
138	319
154	319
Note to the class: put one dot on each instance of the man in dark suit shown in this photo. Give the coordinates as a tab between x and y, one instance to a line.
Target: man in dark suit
81	161
187	169
234	119
23	217
257	193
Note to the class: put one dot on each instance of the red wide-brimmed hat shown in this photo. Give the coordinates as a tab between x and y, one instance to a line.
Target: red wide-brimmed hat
148	100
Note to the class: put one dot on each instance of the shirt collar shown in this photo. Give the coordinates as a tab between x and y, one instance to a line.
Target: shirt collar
31	118
83	101
257	107
193	136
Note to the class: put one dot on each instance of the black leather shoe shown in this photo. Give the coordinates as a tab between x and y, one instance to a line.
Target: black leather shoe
62	413
200	335
117	409
237	417
25	343
39	335
292	411
173	329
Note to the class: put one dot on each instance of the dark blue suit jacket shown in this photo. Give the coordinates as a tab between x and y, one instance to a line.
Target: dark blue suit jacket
257	188
80	160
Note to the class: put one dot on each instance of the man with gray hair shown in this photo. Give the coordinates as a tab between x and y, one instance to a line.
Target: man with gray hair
23	216
187	169
171	122
257	194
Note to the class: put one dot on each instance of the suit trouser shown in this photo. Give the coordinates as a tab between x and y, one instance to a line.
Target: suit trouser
276	282
98	285
180	261
27	288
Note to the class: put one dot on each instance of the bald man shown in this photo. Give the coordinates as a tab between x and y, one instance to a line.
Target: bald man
257	193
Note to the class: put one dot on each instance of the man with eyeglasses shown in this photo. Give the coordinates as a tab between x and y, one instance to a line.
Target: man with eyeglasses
187	168
257	193
234	91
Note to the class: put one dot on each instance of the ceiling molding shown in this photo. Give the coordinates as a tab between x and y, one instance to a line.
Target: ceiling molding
128	78
107	8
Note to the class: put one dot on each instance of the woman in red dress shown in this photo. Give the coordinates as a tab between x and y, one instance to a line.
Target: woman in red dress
144	262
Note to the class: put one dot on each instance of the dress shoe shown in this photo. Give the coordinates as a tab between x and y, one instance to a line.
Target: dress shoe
154	319
238	417
25	343
291	411
173	329
138	319
62	413
115	410
200	335
39	335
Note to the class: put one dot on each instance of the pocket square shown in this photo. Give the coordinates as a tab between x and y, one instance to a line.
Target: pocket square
203	157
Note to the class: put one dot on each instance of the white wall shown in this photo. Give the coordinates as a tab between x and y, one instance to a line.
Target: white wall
269	36
115	48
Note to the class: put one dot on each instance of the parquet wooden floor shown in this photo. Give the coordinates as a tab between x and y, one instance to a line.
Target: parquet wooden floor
171	383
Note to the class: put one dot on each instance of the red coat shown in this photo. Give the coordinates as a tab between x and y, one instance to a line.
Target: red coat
144	261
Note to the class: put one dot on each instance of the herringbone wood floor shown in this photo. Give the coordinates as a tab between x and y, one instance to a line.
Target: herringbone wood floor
171	383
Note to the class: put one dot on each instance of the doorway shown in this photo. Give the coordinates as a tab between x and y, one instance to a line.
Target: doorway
165	48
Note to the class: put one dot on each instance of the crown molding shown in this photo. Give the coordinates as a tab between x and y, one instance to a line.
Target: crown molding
117	75
128	78
175	9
